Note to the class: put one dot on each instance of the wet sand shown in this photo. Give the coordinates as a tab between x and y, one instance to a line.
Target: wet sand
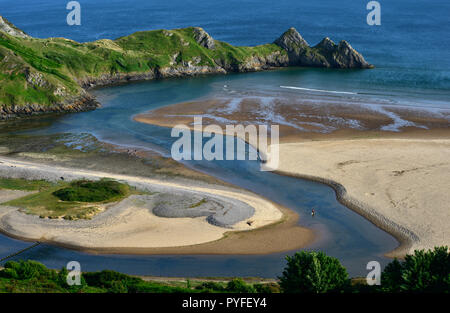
297	118
388	164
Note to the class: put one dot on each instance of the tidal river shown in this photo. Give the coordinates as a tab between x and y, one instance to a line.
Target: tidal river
342	233
409	50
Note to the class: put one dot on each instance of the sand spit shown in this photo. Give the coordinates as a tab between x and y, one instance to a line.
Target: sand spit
401	185
132	226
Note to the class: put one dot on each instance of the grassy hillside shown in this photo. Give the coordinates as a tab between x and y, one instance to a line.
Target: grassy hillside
47	75
46	71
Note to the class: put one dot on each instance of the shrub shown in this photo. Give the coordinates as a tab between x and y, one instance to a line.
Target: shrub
391	278
313	272
424	271
26	270
111	280
210	286
89	191
267	288
239	286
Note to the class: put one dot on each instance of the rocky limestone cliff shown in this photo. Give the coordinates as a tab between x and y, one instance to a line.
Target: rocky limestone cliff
10	29
325	54
203	38
292	41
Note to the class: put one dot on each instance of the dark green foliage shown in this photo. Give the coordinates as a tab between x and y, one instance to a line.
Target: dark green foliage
115	282
424	271
25	270
239	286
31	276
89	191
267	288
110	280
313	272
306	272
391	277
210	286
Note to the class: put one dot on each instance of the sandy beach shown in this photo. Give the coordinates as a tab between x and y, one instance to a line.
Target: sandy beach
131	226
401	185
390	165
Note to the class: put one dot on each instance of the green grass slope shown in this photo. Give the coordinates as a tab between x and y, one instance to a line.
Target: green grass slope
48	71
42	75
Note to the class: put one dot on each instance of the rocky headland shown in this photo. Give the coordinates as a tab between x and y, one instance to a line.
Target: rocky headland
54	75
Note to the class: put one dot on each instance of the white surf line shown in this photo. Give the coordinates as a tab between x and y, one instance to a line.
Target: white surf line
319	90
266	212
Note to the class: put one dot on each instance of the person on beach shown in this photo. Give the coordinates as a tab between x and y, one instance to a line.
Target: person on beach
313	212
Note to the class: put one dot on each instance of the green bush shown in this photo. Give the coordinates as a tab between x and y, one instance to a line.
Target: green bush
210	286
239	286
313	272
25	270
267	288
111	280
89	191
31	276
424	271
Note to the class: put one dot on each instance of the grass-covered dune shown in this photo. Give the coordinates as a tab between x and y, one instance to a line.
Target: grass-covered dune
81	199
53	74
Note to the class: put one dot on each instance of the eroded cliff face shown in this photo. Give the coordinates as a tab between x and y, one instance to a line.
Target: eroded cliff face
8	28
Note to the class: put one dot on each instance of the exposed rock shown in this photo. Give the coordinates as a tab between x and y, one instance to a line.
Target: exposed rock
326	45
188	69
115	79
203	38
292	41
325	54
35	79
257	63
81	103
347	57
10	29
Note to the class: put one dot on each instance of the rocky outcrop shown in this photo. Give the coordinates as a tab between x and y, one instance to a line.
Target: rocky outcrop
10	29
345	56
203	38
72	104
326	45
325	54
292	42
115	79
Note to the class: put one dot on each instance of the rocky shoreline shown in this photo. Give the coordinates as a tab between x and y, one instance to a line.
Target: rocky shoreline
82	103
